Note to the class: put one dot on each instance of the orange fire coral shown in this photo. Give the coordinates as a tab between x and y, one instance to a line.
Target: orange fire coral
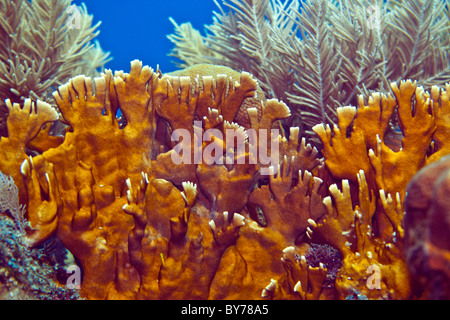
228	76
378	218
97	179
161	206
23	125
366	223
284	202
419	113
363	249
81	189
371	154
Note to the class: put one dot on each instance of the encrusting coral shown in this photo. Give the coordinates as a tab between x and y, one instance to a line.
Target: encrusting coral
148	216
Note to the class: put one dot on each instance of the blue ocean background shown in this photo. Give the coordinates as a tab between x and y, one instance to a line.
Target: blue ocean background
138	29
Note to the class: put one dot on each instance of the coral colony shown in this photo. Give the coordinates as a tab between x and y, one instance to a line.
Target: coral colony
206	186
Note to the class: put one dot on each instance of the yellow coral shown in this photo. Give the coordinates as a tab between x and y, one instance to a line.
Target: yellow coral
142	226
209	70
24	124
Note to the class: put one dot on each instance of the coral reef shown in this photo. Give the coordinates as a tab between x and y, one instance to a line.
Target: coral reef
208	70
204	188
121	213
147	218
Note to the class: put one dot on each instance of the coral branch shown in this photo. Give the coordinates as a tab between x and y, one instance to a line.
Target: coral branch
287	206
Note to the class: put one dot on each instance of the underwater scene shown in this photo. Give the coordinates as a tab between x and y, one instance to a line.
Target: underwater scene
225	150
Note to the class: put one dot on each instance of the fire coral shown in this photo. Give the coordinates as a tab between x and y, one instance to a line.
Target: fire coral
142	227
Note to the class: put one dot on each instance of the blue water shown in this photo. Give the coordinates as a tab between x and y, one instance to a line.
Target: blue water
137	29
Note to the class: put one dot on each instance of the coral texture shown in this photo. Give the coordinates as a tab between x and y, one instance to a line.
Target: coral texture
148	215
204	188
115	198
241	117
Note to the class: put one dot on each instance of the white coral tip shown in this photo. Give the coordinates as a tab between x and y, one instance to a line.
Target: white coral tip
312	223
25	167
184	197
298	287
189	186
238	220
269	289
303	259
128	182
289	253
